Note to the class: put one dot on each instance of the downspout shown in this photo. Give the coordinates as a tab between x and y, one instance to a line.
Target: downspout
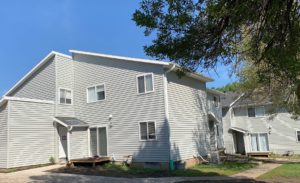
166	101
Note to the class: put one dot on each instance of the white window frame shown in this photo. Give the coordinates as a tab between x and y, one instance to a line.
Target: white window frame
95	86
256	112
66	89
140	137
297	140
137	83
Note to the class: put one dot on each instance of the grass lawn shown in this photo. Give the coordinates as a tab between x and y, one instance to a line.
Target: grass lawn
114	170
285	171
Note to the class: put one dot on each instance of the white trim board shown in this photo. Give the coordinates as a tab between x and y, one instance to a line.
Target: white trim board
28	100
119	57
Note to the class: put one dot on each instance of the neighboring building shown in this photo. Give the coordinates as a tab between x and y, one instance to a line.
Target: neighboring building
88	104
248	129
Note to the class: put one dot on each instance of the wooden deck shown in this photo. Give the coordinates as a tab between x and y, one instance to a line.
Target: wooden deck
92	161
259	154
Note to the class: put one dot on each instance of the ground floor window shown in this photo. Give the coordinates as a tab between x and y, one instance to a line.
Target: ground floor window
259	142
147	130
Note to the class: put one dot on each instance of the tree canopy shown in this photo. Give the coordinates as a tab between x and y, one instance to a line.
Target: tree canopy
259	38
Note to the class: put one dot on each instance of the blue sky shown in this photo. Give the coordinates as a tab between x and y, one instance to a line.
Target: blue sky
31	29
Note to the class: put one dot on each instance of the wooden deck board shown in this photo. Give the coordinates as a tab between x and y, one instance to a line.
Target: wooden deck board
92	161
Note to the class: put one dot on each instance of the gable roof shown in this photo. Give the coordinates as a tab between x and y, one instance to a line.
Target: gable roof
35	69
230	98
168	65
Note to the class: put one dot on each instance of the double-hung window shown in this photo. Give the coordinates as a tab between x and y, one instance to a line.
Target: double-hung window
258	111
145	83
298	135
147	130
96	93
65	96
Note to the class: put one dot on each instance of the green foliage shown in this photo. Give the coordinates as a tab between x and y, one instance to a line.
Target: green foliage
286	170
230	87
260	38
225	169
52	160
202	33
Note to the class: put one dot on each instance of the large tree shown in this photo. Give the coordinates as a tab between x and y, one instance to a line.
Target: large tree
261	37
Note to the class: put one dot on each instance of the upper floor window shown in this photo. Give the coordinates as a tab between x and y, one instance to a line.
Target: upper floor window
216	101
65	96
298	135
145	83
256	111
96	93
147	130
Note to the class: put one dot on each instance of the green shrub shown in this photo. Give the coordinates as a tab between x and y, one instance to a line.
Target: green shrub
52	160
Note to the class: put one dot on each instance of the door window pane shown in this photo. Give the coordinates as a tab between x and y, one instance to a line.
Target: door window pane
263	142
254	142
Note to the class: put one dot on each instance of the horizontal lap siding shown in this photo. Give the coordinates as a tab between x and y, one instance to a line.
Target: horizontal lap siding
124	104
188	117
3	135
228	138
283	131
41	84
31	133
64	79
79	143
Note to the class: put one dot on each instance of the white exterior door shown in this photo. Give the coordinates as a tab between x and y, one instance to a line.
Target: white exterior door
63	142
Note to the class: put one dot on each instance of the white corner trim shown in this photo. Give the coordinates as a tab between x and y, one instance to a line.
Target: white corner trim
28	100
32	71
119	57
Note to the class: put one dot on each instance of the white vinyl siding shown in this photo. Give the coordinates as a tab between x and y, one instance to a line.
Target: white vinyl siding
65	96
126	106
96	93
145	83
147	131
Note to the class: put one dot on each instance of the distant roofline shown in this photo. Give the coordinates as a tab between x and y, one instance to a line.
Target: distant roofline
213	91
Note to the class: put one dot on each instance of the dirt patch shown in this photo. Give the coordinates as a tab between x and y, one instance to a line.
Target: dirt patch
99	171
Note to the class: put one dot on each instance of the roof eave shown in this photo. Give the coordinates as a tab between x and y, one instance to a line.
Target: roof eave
216	92
119	57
